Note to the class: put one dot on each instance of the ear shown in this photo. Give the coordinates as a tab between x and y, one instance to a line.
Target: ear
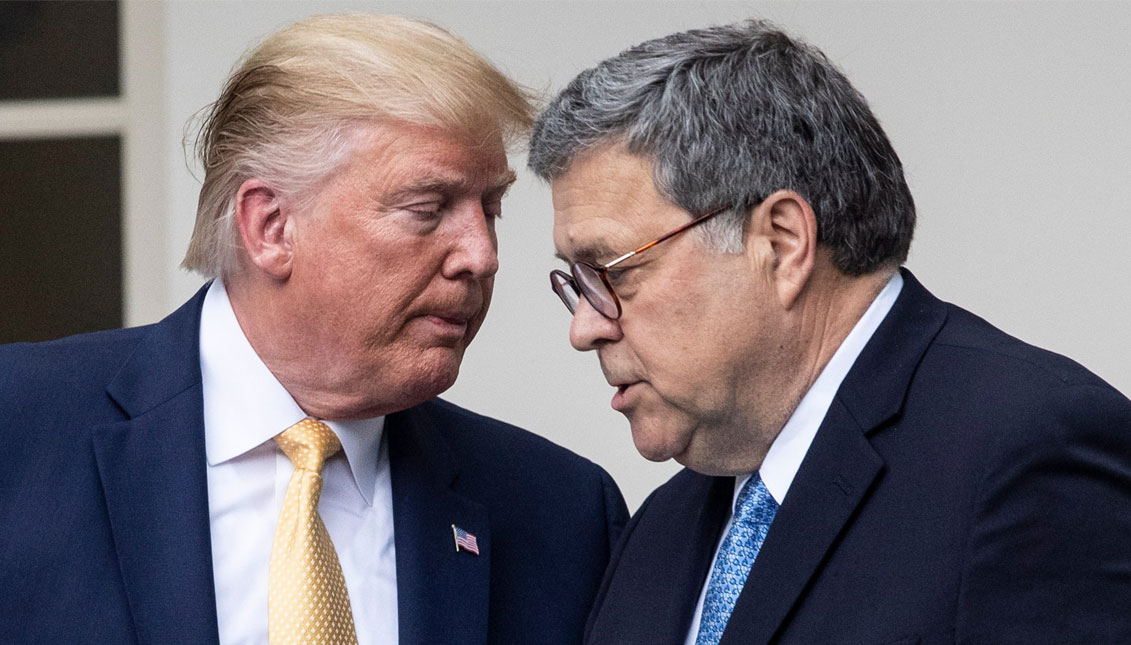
265	228
788	226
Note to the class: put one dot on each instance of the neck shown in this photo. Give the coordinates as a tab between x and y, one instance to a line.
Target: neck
826	313
279	334
820	320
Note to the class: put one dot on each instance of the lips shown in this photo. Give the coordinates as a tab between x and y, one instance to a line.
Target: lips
453	312
448	324
622	397
452	319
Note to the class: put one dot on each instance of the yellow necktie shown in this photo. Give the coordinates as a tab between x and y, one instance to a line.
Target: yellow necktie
307	598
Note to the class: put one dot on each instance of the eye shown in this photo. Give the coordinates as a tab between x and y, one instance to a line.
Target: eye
426	211
493	209
618	275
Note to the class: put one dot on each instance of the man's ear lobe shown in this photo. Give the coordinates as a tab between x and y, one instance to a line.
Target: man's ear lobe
263	226
790	226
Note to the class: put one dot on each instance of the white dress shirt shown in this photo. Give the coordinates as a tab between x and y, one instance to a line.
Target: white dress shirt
244	408
788	450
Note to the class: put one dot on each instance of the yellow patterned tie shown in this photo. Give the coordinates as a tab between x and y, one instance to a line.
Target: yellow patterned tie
308	601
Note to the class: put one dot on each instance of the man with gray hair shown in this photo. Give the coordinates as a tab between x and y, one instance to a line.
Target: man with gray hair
864	462
270	463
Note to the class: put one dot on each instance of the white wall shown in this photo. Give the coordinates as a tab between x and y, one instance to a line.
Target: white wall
1011	119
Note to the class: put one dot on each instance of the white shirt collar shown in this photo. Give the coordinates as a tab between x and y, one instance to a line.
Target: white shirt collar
245	405
789	448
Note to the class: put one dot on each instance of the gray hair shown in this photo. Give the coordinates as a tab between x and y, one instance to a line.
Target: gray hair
730	114
291	112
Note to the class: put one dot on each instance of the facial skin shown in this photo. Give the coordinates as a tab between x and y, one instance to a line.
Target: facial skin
713	350
363	301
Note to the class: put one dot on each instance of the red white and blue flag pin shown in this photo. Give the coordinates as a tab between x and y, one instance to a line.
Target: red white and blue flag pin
465	540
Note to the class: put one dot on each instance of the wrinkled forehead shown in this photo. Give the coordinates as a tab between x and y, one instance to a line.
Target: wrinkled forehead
419	157
605	202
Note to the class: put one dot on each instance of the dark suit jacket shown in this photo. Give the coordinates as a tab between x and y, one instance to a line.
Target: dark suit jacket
963	487
104	529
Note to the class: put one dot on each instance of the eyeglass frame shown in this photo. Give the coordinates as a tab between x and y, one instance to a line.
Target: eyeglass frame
602	271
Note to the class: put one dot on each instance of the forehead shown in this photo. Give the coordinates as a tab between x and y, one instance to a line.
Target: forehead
606	204
399	156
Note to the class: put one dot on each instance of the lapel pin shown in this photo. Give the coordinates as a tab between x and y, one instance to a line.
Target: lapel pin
465	540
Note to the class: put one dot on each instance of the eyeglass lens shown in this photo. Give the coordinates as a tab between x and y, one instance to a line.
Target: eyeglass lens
564	286
595	290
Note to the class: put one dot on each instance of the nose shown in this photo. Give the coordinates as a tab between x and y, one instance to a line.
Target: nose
589	329
475	249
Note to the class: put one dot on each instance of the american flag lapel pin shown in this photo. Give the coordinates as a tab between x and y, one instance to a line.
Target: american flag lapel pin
465	540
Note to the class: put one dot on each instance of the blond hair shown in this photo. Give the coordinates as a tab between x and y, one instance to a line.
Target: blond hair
288	111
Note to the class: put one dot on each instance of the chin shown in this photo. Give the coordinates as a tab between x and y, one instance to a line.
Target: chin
411	387
655	444
432	380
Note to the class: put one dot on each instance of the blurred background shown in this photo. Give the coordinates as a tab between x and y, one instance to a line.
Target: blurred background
1012	120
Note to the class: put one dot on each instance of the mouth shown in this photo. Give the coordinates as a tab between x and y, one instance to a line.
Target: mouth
453	319
455	313
448	324
621	398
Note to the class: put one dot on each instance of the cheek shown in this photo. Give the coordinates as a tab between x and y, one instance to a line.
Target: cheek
686	359
397	273
668	330
362	301
488	291
477	323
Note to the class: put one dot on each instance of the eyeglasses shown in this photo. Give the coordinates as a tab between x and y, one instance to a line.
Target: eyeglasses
592	280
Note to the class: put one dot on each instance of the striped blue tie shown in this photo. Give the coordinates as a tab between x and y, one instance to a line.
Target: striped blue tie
754	511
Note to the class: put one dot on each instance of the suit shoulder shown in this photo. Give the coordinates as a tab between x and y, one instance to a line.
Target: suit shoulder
521	476
976	372
993	349
1048	447
50	394
496	441
75	363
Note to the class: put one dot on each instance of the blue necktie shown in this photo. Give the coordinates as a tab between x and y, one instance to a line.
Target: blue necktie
754	511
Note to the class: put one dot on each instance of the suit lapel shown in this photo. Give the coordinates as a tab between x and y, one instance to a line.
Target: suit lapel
153	474
650	594
689	550
442	594
839	469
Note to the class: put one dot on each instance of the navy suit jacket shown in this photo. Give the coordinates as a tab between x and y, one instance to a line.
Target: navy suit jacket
104	526
963	487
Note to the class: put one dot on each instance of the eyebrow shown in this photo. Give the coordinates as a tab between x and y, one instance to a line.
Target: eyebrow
500	183
591	252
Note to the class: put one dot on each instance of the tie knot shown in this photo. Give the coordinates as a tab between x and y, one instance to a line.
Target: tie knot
308	443
755	505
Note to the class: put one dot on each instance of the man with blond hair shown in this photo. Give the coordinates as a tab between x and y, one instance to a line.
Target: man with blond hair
270	463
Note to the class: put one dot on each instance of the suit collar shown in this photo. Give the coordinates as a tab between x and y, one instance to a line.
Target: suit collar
837	472
789	448
876	386
840	467
165	363
442	593
154	478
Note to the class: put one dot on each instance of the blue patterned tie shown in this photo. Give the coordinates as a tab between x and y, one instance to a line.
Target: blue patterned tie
754	511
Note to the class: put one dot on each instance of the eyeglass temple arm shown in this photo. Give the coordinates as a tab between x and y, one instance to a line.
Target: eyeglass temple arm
663	237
